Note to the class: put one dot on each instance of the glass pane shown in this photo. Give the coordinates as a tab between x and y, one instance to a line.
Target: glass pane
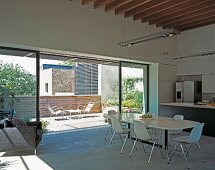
134	88
109	86
73	84
17	84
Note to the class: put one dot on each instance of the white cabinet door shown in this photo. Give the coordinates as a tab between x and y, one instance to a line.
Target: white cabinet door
208	83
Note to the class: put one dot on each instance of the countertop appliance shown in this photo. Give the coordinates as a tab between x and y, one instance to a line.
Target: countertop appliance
189	91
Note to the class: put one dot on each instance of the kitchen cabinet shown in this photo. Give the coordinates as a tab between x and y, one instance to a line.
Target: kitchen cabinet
199	113
208	83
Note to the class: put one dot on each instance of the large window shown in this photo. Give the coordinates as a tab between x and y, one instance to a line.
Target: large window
68	82
17	83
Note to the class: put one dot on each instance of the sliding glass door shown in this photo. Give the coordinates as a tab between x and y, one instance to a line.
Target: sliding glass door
133	88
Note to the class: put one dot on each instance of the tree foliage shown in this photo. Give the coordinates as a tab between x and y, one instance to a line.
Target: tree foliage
68	63
16	81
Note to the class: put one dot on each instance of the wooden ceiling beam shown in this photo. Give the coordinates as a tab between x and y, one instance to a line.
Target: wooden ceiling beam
205	13
158	8
85	2
198	25
99	3
185	11
191	24
115	4
143	7
154	18
129	5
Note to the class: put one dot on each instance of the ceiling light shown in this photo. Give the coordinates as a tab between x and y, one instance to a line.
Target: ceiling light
158	35
201	54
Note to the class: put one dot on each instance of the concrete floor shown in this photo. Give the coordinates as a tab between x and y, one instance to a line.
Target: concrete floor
86	150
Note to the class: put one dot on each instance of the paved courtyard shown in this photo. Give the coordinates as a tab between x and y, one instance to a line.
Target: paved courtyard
57	124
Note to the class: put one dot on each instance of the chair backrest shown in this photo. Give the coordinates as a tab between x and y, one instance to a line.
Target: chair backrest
140	130
50	109
54	109
111	113
89	107
196	133
116	125
178	117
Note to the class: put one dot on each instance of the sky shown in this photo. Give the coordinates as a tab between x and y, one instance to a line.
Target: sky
29	64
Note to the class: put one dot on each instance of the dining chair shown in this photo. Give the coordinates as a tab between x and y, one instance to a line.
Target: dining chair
176	118
182	141
118	130
173	132
141	133
110	113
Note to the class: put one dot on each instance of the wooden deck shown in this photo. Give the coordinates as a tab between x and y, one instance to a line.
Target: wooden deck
69	102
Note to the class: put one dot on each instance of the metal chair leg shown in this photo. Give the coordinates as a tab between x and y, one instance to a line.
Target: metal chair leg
111	140
133	147
107	132
188	150
161	152
120	138
173	153
123	144
201	152
151	152
143	148
184	156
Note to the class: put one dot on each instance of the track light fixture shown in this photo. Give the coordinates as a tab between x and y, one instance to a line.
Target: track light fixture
201	54
158	35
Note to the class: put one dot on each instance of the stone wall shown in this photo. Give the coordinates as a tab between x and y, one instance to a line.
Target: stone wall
63	81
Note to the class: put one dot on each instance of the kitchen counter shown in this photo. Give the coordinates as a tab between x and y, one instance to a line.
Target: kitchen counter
203	106
191	111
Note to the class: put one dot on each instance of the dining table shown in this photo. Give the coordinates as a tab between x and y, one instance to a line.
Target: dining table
159	122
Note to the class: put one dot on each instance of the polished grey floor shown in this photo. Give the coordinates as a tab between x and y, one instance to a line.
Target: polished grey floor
86	150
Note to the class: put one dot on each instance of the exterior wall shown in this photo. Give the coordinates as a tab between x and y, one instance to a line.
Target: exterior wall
86	79
46	77
63	81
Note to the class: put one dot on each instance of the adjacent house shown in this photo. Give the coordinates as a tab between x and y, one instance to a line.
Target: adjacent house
81	79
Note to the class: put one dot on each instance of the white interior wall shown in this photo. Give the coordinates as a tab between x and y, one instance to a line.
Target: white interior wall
69	26
166	81
196	41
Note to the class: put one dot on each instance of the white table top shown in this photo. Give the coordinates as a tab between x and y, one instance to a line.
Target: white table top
160	122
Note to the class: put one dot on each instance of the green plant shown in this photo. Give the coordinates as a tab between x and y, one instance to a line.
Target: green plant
132	97
44	125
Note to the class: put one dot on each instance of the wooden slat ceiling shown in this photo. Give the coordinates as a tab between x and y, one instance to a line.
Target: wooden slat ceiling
169	14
